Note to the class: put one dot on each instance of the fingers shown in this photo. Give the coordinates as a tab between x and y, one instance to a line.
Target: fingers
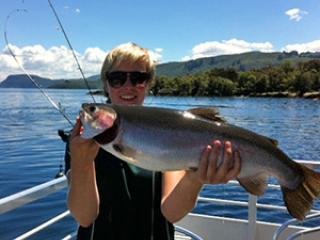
204	163
214	172
213	161
223	169
76	129
235	170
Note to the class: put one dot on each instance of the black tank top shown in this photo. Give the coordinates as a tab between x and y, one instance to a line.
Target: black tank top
129	206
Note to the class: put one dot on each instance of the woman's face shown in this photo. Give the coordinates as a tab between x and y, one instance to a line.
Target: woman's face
128	94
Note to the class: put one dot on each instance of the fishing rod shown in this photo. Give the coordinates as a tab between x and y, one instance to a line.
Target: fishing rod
71	48
80	69
55	105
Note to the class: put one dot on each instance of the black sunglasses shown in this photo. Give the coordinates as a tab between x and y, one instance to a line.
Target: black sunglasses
118	78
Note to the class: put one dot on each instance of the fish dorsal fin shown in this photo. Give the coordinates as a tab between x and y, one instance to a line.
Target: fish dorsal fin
255	185
273	141
210	114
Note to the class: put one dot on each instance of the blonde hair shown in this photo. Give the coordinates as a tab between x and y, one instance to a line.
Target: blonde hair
127	52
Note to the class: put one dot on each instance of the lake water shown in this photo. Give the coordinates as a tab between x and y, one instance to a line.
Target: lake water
31	151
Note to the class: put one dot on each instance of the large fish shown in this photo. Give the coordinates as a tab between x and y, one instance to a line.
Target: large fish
162	139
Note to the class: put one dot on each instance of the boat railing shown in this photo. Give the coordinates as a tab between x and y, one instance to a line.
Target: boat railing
40	191
46	224
297	234
32	194
188	233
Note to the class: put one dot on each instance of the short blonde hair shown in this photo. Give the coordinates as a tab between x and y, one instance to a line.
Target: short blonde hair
127	52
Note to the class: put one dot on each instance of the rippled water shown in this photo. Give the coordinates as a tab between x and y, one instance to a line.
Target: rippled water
31	151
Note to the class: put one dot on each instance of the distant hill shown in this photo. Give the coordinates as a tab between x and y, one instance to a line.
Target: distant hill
239	62
94	83
22	81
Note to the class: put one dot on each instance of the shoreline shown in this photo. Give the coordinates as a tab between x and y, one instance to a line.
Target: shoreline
285	94
314	95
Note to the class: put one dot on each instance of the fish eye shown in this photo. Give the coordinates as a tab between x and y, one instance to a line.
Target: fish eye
92	108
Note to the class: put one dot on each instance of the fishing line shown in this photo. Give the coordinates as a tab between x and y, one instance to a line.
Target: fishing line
80	69
71	48
55	105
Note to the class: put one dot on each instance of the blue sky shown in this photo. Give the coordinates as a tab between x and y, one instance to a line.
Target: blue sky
173	30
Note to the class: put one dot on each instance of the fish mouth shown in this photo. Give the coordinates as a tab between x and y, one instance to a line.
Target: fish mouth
99	117
85	115
100	122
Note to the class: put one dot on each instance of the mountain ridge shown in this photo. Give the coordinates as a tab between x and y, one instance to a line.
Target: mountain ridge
239	62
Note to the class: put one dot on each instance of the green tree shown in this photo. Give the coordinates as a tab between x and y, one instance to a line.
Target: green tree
262	83
199	85
246	83
302	83
219	86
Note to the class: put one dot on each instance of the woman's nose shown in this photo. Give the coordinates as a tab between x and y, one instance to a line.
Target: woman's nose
128	81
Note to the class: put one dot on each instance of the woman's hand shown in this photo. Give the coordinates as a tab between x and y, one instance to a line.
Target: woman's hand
214	171
180	189
83	197
82	150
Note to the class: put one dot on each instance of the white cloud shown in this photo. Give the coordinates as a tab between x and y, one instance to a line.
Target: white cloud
156	54
296	14
186	58
76	10
58	62
55	62
93	59
313	46
232	46
94	55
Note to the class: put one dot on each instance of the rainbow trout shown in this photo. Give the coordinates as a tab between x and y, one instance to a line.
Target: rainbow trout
160	139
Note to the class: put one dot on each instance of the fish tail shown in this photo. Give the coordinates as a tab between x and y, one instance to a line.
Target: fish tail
299	201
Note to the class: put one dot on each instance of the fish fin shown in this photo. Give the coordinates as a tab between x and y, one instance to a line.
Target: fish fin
118	147
273	141
211	114
255	185
127	152
299	201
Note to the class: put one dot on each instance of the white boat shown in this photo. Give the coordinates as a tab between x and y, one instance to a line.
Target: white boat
193	226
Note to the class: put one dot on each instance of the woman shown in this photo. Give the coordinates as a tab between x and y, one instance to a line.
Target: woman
120	201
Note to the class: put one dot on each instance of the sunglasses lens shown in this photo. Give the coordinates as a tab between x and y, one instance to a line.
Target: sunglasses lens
118	79
139	77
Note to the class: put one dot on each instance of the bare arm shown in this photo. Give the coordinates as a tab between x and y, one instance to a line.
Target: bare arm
181	188
83	198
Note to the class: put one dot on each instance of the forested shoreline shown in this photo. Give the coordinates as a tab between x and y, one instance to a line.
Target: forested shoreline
286	80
